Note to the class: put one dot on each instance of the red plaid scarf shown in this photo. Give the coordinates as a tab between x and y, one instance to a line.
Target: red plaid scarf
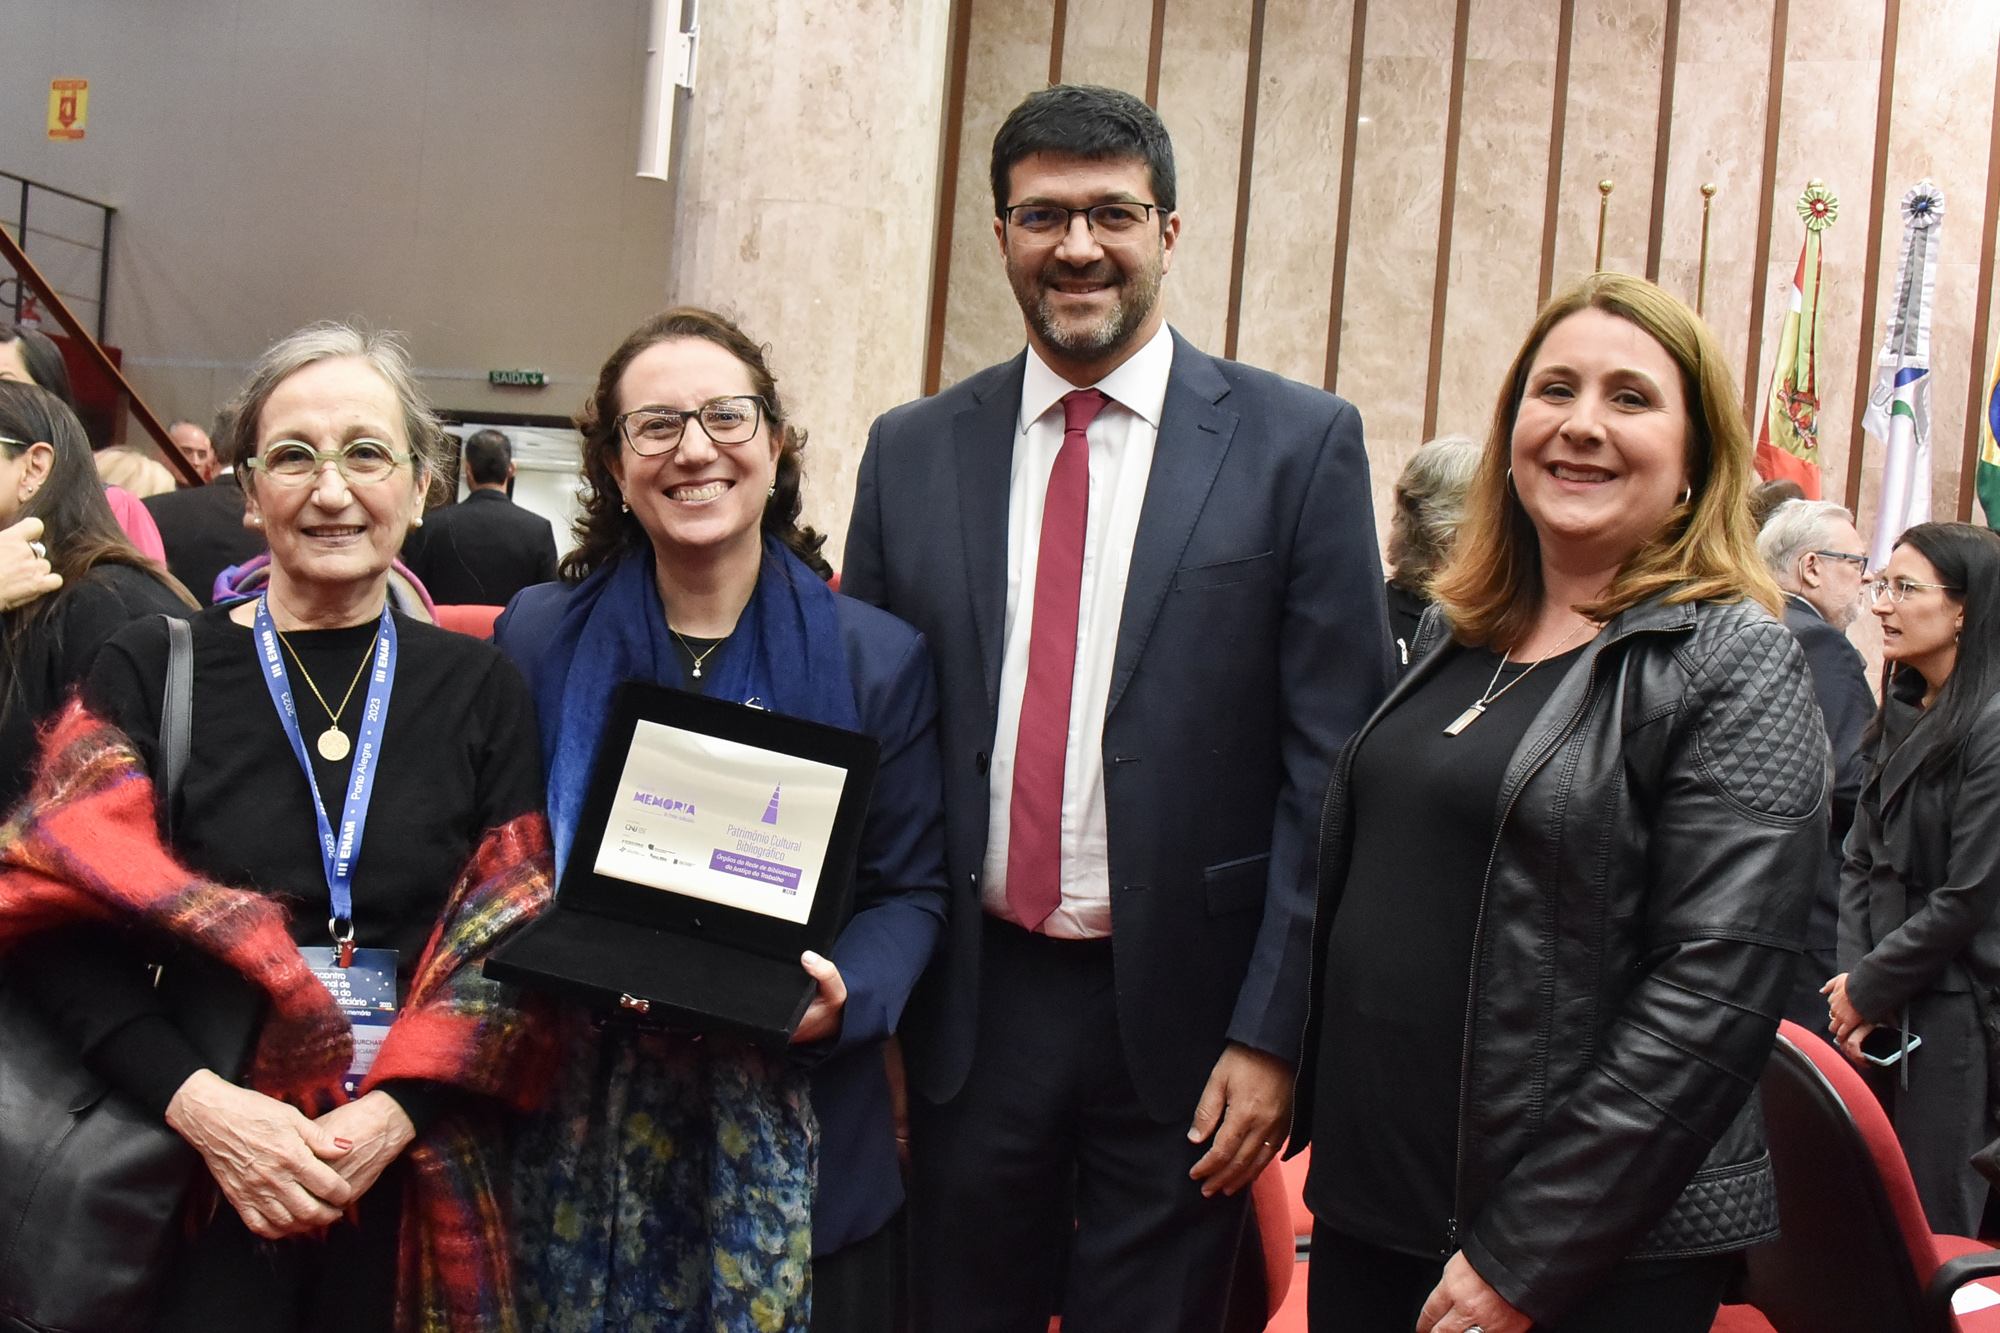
85	846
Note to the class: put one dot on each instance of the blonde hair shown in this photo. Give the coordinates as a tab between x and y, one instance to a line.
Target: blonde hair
1706	550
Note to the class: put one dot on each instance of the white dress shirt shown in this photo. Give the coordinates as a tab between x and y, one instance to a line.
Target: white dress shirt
1121	460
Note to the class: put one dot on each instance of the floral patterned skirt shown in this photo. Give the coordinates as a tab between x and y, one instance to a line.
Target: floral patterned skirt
666	1187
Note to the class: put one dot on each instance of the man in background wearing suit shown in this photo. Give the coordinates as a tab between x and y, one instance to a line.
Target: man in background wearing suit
202	526
1150	581
484	549
1818	558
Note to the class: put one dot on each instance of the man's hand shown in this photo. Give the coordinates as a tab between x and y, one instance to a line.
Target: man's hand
266	1156
1250	1097
823	1014
1462	1300
24	575
378	1128
1849	1028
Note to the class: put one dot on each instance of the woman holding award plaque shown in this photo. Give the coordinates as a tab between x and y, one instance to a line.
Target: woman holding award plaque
673	1180
344	1129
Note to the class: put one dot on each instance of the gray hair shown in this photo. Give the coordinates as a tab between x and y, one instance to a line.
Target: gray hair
1430	500
1794	528
332	340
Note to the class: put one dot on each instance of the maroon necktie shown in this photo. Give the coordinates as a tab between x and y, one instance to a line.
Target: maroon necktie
1034	816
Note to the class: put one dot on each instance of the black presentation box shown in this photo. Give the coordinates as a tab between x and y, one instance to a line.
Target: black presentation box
688	896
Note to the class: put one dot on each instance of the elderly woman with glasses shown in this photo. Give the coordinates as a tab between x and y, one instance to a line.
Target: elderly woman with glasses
343	1147
672	1184
1918	998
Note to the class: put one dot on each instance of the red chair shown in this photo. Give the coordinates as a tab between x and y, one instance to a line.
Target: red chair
469	619
1857	1255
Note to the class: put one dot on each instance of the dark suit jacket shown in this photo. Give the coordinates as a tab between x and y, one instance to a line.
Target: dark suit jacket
481	551
899	893
1252	642
202	529
1840	679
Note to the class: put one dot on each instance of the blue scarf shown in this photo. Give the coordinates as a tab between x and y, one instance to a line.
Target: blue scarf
785	655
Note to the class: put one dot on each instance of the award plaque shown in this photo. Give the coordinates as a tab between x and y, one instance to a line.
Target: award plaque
717	844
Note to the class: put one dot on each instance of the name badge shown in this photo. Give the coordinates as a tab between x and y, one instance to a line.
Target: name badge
365	990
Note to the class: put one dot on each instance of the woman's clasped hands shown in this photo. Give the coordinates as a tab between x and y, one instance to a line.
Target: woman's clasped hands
285	1174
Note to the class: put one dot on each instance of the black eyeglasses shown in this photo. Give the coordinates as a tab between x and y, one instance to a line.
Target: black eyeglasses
1120	223
652	431
1860	560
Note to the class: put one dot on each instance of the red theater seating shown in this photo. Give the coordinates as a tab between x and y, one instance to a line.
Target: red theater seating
474	620
1856	1255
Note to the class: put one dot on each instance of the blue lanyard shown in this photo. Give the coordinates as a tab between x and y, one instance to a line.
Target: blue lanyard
337	854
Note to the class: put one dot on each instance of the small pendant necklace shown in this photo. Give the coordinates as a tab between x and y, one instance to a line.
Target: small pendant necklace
332	743
699	657
1480	705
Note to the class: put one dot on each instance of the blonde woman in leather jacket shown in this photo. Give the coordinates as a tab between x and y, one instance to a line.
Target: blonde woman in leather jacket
1565	871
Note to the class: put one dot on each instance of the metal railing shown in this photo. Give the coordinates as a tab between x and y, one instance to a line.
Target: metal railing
68	237
31	286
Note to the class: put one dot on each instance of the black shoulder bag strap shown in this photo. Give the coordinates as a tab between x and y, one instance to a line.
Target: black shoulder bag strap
176	715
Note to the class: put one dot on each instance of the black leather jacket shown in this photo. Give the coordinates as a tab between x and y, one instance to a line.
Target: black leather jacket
1661	831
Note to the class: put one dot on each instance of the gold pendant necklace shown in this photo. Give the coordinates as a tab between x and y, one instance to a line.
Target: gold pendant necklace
699	657
332	743
1485	700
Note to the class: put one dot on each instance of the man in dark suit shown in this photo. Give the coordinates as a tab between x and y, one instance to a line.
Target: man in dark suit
1150	581
484	549
202	526
1818	558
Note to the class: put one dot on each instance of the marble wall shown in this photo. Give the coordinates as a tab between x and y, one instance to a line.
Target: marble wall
806	207
1941	125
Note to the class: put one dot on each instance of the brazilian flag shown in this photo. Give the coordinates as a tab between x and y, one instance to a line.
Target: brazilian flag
1988	482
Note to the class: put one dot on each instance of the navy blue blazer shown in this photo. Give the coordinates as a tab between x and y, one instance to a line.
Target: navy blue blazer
1253	641
899	903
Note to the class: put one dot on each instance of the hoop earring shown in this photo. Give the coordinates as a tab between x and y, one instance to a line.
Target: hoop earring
1687	493
1512	489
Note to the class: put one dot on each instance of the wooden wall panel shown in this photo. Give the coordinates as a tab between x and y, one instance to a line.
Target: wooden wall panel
1533	141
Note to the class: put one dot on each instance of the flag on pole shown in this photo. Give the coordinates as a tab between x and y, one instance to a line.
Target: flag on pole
1899	406
1988	483
1788	438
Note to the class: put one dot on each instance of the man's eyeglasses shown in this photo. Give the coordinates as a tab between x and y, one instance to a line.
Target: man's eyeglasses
1898	589
1111	224
361	462
652	431
1860	560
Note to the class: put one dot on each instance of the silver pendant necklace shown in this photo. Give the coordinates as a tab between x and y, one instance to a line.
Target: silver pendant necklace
1485	700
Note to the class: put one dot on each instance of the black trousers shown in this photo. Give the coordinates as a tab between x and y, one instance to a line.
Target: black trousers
229	1280
1361	1288
1044	1187
861	1288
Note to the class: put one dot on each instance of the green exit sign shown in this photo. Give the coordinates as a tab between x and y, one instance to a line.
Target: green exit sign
516	379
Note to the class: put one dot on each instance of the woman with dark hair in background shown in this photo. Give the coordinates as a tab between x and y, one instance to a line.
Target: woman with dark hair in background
1919	938
47	644
1565	871
29	356
672	1184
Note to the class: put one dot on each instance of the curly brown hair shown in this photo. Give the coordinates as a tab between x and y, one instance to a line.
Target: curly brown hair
606	529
